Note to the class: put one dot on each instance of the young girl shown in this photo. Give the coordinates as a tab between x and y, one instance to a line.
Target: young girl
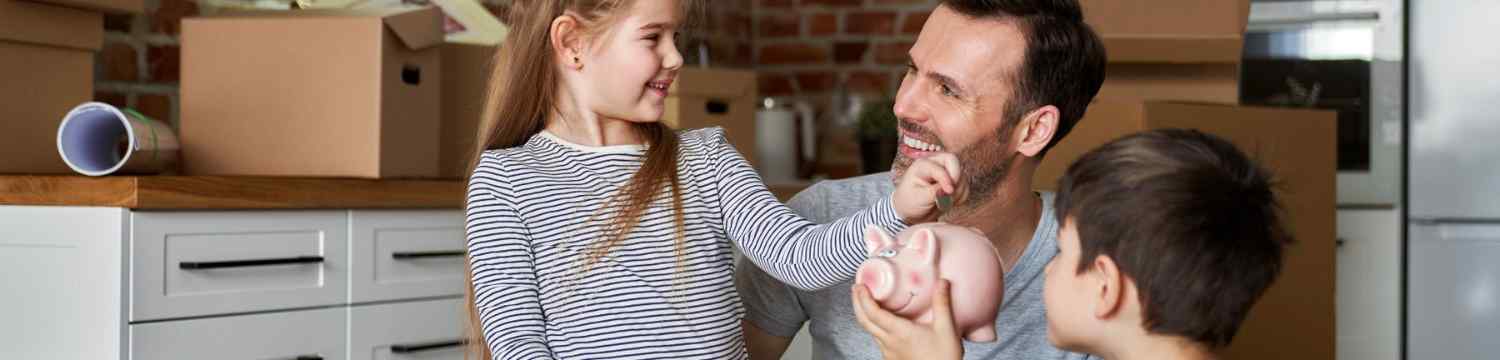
596	232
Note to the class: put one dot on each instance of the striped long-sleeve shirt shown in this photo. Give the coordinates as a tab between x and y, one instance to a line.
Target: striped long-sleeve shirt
534	210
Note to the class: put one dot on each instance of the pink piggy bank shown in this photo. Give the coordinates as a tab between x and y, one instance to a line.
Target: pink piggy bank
902	273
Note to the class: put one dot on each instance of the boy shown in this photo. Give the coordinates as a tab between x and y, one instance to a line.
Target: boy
1168	238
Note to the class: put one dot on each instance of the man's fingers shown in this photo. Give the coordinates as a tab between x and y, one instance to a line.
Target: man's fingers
942	307
862	301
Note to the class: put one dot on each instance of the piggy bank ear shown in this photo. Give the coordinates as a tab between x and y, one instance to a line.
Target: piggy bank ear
924	244
875	239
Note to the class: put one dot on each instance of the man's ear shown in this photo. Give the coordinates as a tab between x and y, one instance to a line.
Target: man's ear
1037	129
566	37
1110	287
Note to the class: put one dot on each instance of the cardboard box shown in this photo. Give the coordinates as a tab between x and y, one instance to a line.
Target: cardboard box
312	93
1170	31
107	6
1295	318
47	68
466	76
705	97
1209	83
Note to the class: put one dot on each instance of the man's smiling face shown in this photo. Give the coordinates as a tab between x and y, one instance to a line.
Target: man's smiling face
953	98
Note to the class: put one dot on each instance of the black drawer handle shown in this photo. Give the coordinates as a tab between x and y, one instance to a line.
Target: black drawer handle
201	265
425	254
407	349
308	357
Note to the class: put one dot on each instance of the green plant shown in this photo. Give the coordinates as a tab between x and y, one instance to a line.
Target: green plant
877	120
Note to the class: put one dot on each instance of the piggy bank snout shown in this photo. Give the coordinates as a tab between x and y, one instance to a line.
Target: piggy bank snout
879	275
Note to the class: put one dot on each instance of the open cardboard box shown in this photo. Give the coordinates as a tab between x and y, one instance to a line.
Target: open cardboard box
47	68
1185	50
312	93
1295	318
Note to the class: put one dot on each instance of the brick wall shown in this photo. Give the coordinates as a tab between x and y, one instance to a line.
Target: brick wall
139	64
812	50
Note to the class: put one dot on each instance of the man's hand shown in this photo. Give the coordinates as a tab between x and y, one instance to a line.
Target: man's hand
902	339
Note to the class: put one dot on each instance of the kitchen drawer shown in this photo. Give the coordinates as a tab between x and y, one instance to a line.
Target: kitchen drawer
427	330
303	335
404	254
206	263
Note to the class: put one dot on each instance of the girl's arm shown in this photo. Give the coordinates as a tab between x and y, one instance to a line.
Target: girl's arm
788	247
505	284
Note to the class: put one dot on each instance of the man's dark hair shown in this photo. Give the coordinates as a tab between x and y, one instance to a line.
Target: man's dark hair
1189	218
1064	62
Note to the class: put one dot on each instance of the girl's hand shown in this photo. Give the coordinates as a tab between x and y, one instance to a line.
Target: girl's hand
901	339
925	180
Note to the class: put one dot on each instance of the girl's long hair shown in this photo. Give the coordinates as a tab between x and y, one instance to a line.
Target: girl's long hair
522	96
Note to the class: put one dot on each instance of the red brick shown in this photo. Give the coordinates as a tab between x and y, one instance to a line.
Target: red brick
779	54
775	3
870	82
822	24
850	52
870	23
736	25
901	2
164	63
742	55
894	53
117	61
157	106
843	3
784	25
914	21
168	17
812	82
112	98
774	84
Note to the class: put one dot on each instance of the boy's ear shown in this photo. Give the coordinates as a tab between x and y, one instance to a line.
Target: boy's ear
565	36
1110	289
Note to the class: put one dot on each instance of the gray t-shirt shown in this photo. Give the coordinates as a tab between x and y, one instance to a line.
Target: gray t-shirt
780	309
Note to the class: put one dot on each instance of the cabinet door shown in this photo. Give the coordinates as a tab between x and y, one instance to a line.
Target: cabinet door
427	330
406	254
1453	290
300	335
208	263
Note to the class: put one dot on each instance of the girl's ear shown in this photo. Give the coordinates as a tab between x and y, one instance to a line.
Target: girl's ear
566	38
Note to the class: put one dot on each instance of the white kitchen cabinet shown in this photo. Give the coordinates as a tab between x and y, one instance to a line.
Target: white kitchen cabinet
115	283
1369	284
427	330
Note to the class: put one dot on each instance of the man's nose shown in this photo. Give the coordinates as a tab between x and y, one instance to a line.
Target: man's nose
908	105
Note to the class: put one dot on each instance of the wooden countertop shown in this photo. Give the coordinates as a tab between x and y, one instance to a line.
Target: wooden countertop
215	192
218	192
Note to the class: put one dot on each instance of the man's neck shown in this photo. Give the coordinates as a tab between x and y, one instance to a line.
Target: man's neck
1008	218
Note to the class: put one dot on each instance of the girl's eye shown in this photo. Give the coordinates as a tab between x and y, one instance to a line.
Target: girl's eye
947	91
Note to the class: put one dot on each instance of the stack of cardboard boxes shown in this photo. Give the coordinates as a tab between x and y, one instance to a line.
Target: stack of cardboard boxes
1175	64
47	67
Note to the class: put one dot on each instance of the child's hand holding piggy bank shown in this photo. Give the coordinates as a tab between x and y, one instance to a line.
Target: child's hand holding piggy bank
902	273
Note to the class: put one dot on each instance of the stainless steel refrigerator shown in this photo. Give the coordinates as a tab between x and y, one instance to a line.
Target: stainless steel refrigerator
1453	264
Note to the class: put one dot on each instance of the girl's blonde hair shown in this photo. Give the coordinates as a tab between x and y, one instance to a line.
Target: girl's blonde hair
522	96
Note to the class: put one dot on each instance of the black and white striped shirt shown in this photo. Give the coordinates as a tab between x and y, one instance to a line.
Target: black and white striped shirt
534	209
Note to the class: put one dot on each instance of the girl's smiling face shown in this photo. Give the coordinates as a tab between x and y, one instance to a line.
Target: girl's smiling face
630	65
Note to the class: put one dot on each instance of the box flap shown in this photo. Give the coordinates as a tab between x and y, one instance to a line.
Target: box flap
49	25
418	29
714	82
108	6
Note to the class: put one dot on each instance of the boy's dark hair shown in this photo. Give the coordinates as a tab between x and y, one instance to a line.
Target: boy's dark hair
1064	63
1185	215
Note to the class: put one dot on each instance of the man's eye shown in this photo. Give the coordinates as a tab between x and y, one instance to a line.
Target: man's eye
947	91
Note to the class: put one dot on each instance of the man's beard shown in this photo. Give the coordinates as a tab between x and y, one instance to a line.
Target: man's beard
984	165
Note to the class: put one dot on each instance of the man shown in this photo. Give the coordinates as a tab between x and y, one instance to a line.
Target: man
998	83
